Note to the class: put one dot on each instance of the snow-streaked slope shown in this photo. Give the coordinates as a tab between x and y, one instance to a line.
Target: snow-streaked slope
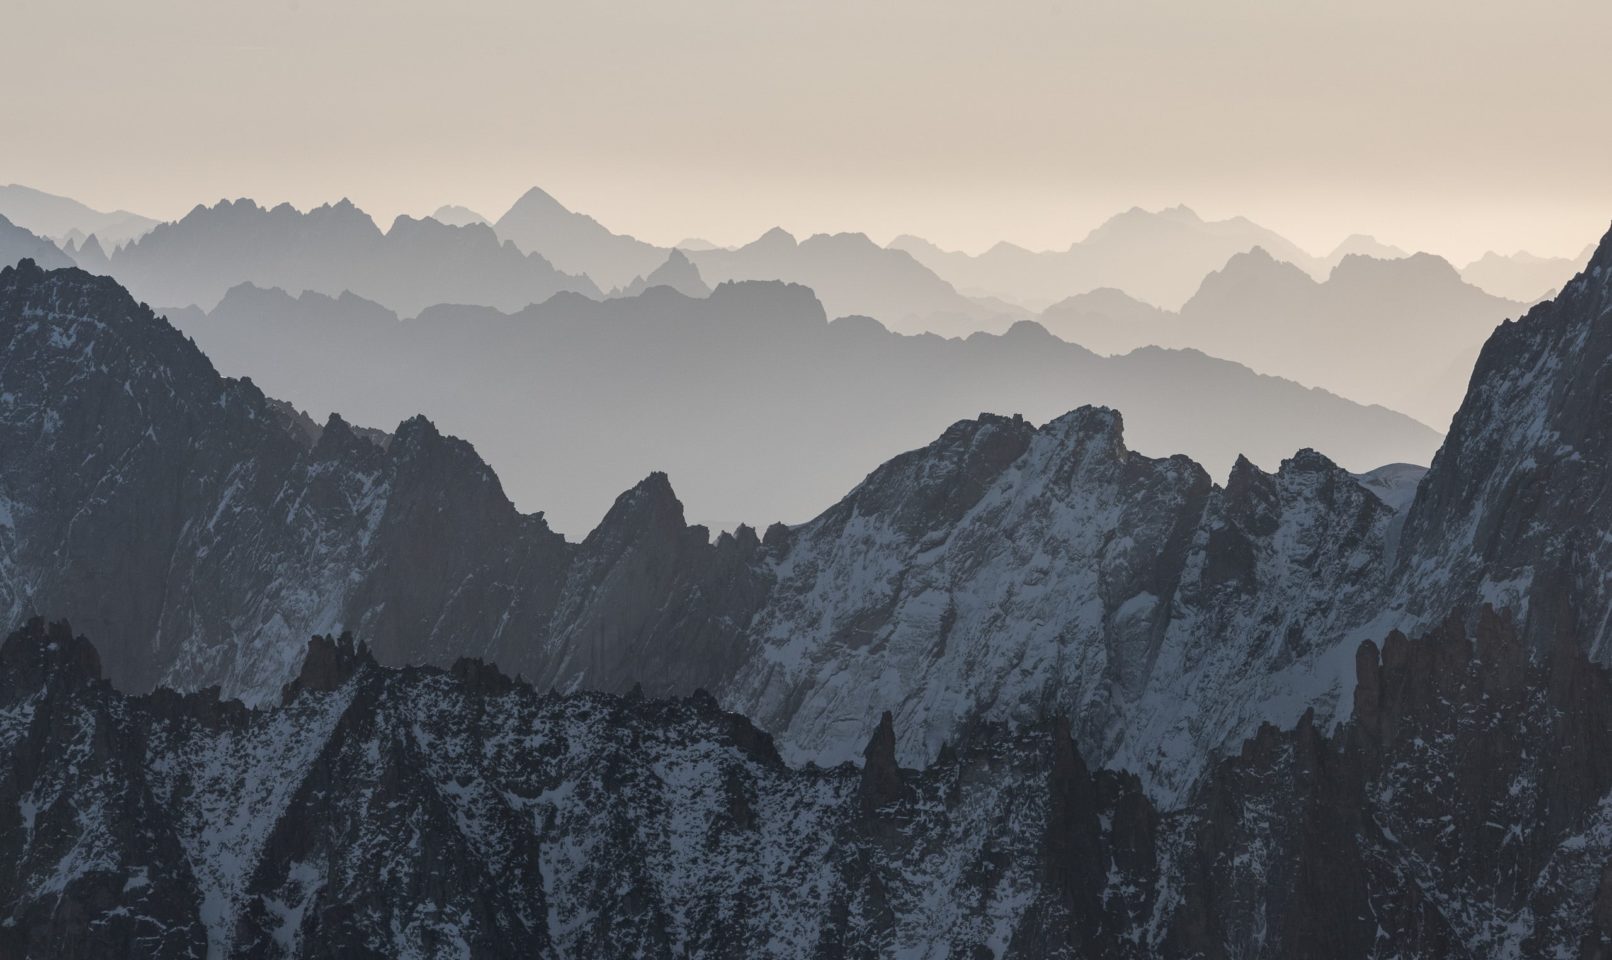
1018	572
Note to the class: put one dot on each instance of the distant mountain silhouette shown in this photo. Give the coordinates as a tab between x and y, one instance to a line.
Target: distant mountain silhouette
89	254
757	406
1107	321
17	243
575	242
1523	276
693	244
853	276
1355	244
456	216
331	249
850	273
677	272
1158	257
63	218
1402	333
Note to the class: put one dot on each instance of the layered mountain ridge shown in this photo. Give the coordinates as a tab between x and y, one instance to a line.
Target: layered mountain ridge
1004	571
333	249
645	383
1103	705
1402	332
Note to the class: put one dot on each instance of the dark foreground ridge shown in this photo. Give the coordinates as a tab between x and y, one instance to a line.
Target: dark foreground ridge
422	812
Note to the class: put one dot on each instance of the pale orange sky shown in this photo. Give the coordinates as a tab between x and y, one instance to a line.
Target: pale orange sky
1453	127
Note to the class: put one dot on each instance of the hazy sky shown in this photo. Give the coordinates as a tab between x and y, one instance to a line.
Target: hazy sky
1450	126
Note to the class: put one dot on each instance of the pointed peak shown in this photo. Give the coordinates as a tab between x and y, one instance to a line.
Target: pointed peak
655	488
335	436
328	664
39	654
1245	478
1244	468
416	426
651	497
537	201
1090	422
881	776
882	745
1600	261
776	237
1308	460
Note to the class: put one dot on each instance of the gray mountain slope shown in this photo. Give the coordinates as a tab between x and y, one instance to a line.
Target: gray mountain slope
677	272
1522	275
575	242
63	217
648	383
1402	332
852	275
17	244
1159	257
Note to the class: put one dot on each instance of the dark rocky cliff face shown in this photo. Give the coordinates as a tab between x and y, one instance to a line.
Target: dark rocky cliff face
1517	506
196	524
1461	812
423	812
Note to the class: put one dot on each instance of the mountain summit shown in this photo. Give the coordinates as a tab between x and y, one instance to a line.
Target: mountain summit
575	242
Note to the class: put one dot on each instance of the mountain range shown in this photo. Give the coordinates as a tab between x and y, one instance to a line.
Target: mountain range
639	384
1523	276
19	244
1157	257
1403	333
850	274
1296	668
65	219
333	249
575	242
1028	568
1160	258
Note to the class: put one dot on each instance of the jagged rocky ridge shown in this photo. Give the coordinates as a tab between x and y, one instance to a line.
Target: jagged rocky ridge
334	248
1005	571
429	812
